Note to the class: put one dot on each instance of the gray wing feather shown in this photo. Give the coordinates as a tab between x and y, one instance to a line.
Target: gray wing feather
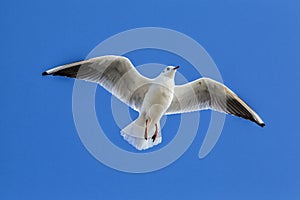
115	73
206	93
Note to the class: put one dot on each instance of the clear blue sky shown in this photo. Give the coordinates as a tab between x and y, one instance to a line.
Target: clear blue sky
255	44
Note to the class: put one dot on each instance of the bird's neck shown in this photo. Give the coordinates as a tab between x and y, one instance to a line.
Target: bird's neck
165	80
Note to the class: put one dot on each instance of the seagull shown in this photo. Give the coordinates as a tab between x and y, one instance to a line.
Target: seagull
153	98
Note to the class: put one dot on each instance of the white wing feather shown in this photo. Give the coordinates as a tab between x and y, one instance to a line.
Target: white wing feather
206	93
115	73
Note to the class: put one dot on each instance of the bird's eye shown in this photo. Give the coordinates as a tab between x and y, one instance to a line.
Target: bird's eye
168	68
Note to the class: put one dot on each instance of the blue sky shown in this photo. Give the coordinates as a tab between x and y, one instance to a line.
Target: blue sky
255	45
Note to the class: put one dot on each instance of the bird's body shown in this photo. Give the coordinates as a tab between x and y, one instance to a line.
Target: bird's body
153	98
158	98
156	102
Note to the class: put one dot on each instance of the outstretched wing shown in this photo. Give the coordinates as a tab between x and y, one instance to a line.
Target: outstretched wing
115	73
206	93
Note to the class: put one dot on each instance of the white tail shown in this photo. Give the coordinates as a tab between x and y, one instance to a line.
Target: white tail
134	134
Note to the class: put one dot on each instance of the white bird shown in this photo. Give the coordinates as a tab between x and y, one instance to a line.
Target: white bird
153	98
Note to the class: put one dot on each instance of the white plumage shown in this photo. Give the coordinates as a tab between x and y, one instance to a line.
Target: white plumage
153	98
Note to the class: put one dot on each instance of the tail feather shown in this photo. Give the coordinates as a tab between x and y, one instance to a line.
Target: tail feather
134	134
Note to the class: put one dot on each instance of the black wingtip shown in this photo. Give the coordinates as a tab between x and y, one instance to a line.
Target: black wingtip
262	125
45	74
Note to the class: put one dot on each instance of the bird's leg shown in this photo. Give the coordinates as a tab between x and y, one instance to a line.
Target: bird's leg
146	130
155	134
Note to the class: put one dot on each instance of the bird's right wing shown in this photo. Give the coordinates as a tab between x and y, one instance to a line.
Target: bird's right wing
206	93
115	73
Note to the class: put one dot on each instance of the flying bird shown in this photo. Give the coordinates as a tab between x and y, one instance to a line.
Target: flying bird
153	98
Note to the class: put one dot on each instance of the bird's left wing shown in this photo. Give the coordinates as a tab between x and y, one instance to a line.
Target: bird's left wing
115	73
206	93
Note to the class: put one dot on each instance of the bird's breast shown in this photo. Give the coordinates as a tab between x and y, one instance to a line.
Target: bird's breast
158	94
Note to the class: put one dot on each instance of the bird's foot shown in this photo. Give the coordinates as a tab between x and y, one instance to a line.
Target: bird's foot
155	134
154	137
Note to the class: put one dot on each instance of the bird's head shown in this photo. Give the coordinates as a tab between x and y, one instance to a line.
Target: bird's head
170	71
